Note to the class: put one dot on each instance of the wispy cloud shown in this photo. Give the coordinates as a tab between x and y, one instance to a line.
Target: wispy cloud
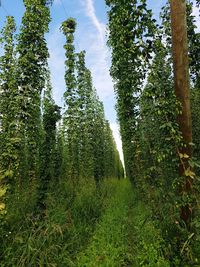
90	11
98	56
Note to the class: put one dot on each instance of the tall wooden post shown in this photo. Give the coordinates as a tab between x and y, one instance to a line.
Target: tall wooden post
181	79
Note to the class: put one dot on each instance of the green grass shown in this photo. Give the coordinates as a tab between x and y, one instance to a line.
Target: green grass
125	236
108	245
104	227
146	242
69	223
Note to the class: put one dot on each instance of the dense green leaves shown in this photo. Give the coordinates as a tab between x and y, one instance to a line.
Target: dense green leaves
51	115
9	141
52	164
148	109
31	70
131	48
39	147
88	139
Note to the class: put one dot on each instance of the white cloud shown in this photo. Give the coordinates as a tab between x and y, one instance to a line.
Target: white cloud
116	134
98	56
90	11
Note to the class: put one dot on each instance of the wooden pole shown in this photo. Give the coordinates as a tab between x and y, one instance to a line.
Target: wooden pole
181	80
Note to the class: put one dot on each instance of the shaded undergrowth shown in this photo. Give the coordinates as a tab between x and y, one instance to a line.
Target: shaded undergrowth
70	220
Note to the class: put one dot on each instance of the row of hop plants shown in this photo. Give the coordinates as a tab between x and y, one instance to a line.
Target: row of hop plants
40	148
148	109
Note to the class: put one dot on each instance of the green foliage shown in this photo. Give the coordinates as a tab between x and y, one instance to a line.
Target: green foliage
131	46
148	245
69	26
51	115
31	70
69	224
108	246
107	226
194	44
9	159
193	38
59	163
88	141
70	96
126	234
148	110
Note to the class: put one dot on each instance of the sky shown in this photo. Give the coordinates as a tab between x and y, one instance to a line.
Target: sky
91	35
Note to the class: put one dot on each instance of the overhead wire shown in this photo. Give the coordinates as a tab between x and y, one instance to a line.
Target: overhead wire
64	7
6	11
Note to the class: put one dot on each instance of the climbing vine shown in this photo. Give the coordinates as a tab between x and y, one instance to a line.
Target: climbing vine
153	141
31	69
8	106
129	57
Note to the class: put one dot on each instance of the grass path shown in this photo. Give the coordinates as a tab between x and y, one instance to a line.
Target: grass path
107	227
121	237
109	246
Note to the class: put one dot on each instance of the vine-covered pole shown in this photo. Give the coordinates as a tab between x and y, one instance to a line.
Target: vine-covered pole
181	80
68	28
9	141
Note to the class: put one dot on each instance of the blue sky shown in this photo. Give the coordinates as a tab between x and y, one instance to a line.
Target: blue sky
91	36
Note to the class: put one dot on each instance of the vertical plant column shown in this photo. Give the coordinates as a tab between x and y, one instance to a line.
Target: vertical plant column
181	79
89	95
51	115
98	140
84	91
32	64
9	143
70	119
160	136
130	37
